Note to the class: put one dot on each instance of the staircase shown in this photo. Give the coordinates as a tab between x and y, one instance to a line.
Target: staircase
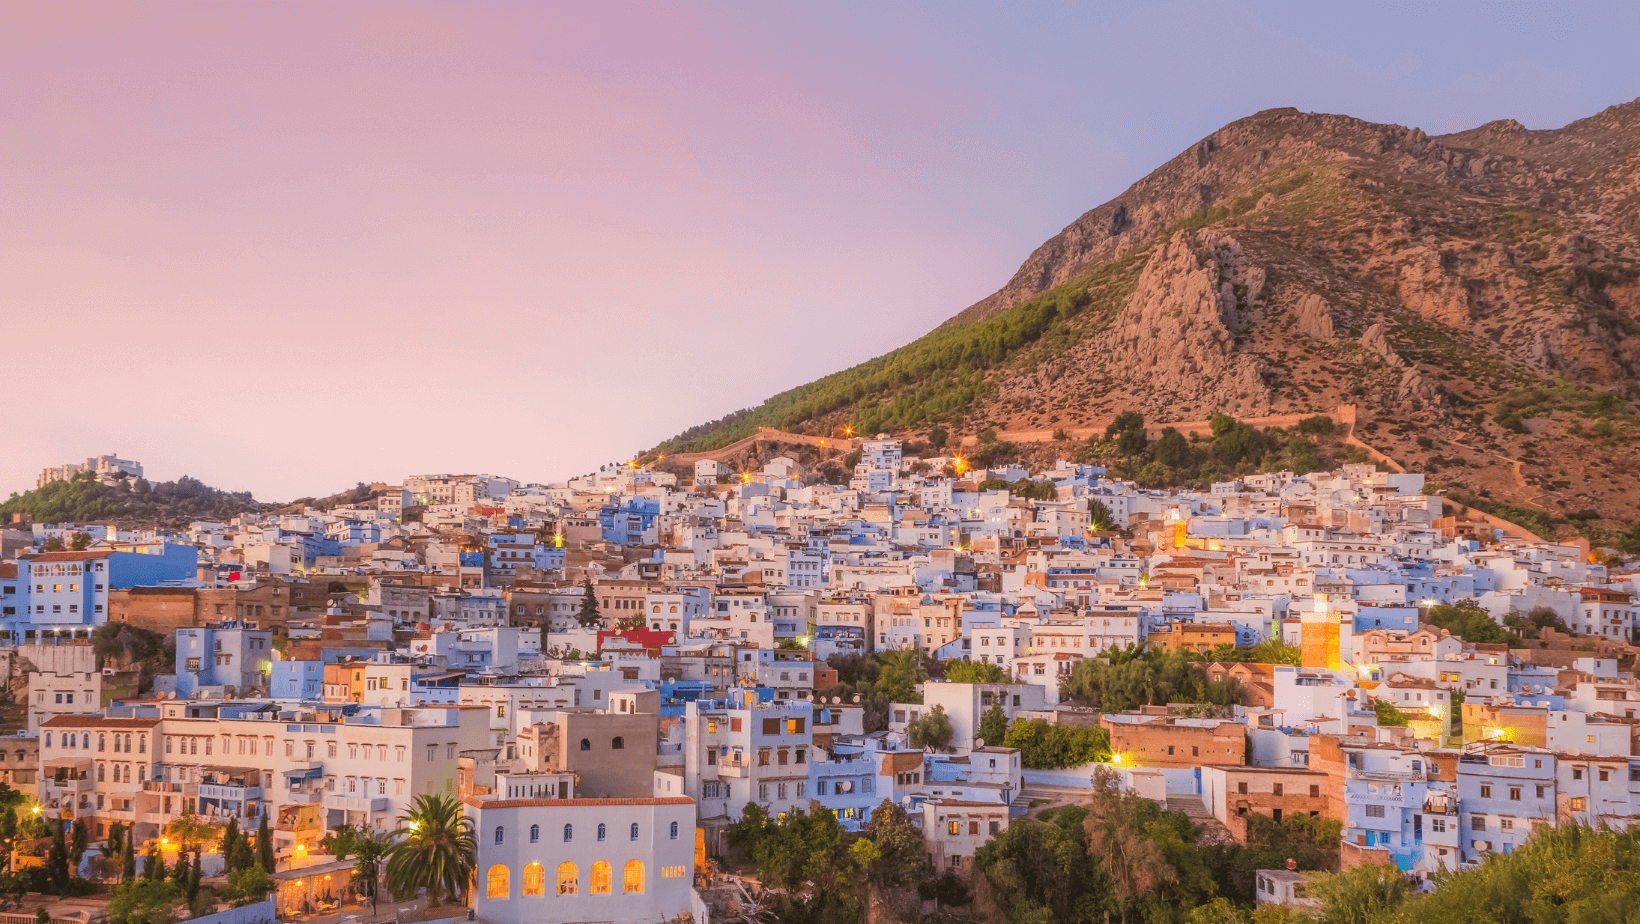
1190	804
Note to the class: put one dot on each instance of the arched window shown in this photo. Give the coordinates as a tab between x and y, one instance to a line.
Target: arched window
102	742
634	830
601	830
569	878
535	833
602	879
48	741
535	880
617	742
569	832
632	880
586	744
674	830
499	831
102	772
496	885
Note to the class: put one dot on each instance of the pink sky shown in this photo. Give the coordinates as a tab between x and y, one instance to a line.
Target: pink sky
284	248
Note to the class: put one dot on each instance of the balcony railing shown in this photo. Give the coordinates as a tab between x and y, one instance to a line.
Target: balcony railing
1387	776
357	803
741	769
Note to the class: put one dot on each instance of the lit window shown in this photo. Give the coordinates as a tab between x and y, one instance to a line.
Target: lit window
535	880
569	875
497	885
632	878
602	878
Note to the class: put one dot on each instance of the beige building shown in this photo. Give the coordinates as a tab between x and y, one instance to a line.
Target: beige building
954	830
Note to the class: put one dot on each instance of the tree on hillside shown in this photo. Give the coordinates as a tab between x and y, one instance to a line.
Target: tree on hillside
900	672
933	730
1099	516
959	671
993	726
588	617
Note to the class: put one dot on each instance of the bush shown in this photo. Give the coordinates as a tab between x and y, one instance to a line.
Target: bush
1055	747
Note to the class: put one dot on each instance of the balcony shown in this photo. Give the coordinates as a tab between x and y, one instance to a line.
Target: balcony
357	803
739	769
162	786
1386	776
228	792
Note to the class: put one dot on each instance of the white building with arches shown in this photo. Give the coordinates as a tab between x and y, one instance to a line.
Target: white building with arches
624	861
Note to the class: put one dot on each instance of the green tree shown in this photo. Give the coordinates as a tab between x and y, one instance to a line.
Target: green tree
588	617
900	672
57	860
153	866
937	437
54	544
81	541
901	853
264	845
1469	621
1123	680
1051	746
142	901
130	870
933	730
959	671
194	878
339	841
230	844
993	725
371	850
1388	714
248	886
1099	515
1363	895
79	840
437	851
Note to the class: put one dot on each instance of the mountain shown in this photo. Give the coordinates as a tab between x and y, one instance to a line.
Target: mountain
1475	297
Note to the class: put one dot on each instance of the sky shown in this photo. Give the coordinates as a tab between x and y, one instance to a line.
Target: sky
288	247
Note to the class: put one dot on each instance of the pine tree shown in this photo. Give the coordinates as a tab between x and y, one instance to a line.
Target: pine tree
57	860
588	616
130	871
193	880
154	869
79	840
264	845
230	843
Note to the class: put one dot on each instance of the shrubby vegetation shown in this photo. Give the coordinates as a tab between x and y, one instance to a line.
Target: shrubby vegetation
1269	651
1044	746
1127	679
936	378
880	679
1230	450
84	499
1123	856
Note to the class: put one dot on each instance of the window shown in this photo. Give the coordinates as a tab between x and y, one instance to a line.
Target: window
1486	792
674	830
1478	823
996	828
499	830
569	875
535	880
632	876
586	744
1375	811
953	827
617	743
601	830
634	831
1438	825
569	833
602	875
1579	804
1315	791
1514	794
496	883
1604	773
535	835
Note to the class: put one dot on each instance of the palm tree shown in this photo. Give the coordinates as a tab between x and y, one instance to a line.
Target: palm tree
438	850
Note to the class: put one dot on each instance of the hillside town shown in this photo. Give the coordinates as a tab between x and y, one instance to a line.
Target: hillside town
608	674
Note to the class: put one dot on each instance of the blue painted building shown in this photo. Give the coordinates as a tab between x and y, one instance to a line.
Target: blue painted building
224	654
66	593
300	680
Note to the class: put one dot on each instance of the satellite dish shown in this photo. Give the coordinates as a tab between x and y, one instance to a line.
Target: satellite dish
979	742
856	697
906	801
